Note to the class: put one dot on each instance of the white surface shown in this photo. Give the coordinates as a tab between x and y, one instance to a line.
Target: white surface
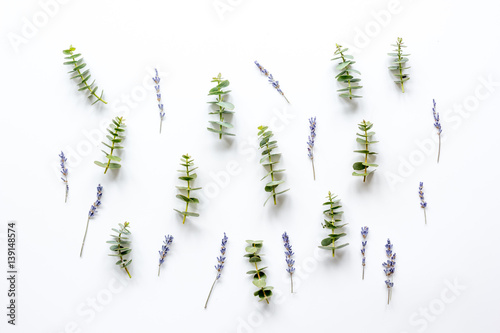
453	46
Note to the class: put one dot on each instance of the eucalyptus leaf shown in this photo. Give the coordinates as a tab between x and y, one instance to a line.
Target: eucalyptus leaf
224	107
189	177
400	59
120	248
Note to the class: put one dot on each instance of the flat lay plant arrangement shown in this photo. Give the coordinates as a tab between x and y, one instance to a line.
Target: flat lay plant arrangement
220	113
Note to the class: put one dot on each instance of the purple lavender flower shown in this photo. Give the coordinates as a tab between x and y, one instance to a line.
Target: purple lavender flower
221	259
64	172
389	268
437	124
274	83
310	143
92	212
364	233
220	265
423	204
164	250
156	79
288	258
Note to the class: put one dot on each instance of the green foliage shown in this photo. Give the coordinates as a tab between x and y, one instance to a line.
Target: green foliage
259	276
400	60
223	107
120	246
268	160
116	130
364	139
334	216
82	78
346	74
189	177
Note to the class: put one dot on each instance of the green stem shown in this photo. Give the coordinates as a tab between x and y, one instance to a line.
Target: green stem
221	117
400	67
439	149
84	236
333	222
425	216
113	145
314	172
188	191
272	173
258	276
120	252
126	270
291	283
347	72
110	153
366	154
161	122
210	293
363	276
86	85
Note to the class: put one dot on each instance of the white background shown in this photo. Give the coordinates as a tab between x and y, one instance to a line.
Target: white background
454	50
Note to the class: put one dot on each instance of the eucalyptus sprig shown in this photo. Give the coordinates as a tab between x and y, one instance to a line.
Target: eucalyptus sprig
346	73
269	159
364	139
332	212
189	177
77	63
223	107
120	246
116	129
398	63
259	277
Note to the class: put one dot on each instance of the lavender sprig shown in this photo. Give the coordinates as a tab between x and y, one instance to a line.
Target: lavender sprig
64	171
389	268
288	258
156	79
220	265
364	233
310	143
423	204
92	212
164	250
274	83
437	124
